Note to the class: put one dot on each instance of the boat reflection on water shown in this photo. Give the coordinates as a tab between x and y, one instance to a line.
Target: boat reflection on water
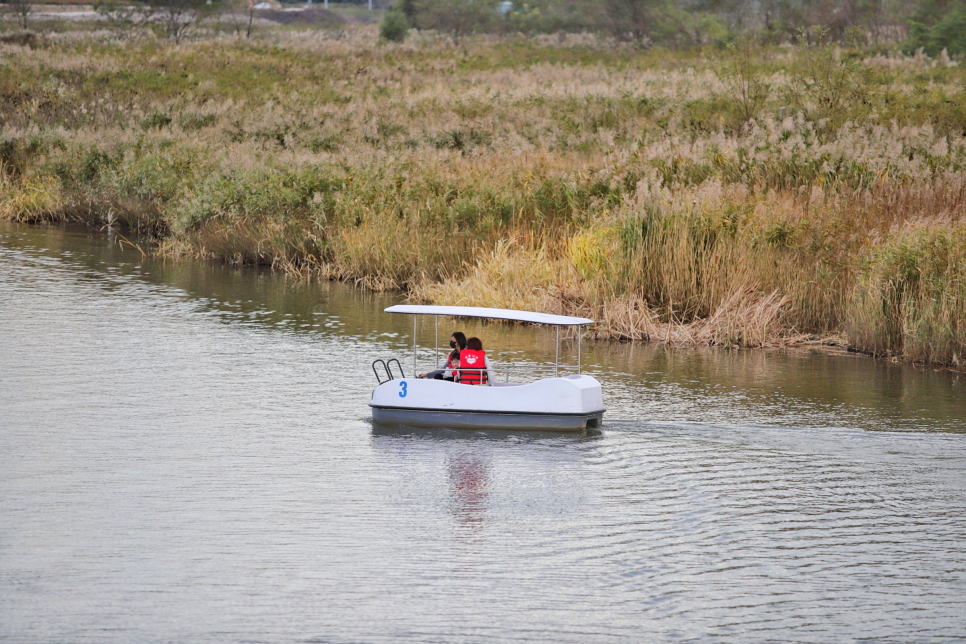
469	478
473	472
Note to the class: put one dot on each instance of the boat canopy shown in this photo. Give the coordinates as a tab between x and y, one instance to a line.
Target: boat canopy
495	314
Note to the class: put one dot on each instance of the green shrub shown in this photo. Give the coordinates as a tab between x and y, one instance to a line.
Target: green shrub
258	194
394	26
947	33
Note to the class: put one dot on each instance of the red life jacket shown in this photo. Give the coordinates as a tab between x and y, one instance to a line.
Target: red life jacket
473	367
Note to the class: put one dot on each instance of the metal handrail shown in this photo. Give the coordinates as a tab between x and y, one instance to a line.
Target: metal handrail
389	362
532	367
536	369
484	372
385	368
507	369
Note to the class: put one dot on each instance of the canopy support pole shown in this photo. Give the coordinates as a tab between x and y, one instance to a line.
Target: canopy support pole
556	355
414	346
579	330
436	318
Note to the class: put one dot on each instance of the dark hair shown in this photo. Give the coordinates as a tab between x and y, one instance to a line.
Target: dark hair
474	344
454	354
460	339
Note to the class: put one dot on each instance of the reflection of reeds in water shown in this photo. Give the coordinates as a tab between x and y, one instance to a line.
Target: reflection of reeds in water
536	177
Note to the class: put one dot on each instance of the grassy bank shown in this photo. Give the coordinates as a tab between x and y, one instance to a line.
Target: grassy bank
738	198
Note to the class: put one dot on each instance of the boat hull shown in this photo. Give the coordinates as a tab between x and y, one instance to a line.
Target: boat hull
486	419
571	404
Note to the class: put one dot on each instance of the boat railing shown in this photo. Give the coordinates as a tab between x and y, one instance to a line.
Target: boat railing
499	370
387	369
505	371
522	368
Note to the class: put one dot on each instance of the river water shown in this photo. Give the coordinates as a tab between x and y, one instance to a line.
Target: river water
186	455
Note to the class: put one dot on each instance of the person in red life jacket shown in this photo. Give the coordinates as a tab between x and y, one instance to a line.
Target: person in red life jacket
473	363
457	342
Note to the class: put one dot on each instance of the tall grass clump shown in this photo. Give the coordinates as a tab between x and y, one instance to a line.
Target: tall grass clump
910	299
29	199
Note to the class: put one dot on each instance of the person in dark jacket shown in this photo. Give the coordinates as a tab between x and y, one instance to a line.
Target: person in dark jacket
457	343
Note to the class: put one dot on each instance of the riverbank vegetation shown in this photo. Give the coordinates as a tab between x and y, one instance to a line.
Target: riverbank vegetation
736	195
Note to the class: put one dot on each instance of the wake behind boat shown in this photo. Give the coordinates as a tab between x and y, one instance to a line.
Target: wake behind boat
568	403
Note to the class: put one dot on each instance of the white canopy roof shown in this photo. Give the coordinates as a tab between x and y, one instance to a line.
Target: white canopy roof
495	314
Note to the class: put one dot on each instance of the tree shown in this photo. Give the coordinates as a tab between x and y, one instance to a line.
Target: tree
408	7
241	13
179	17
742	79
781	18
839	18
641	21
736	15
21	9
124	18
936	27
394	26
458	18
824	82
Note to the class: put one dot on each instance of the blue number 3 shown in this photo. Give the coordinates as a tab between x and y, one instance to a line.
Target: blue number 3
402	389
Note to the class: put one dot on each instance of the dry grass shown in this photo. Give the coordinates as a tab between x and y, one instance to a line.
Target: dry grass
565	176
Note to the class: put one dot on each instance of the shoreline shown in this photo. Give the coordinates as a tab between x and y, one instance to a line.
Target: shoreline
834	344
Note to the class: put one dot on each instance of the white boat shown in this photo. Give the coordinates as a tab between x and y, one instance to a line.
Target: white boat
559	403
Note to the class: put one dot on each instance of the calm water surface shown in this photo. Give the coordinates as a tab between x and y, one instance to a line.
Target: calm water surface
186	456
